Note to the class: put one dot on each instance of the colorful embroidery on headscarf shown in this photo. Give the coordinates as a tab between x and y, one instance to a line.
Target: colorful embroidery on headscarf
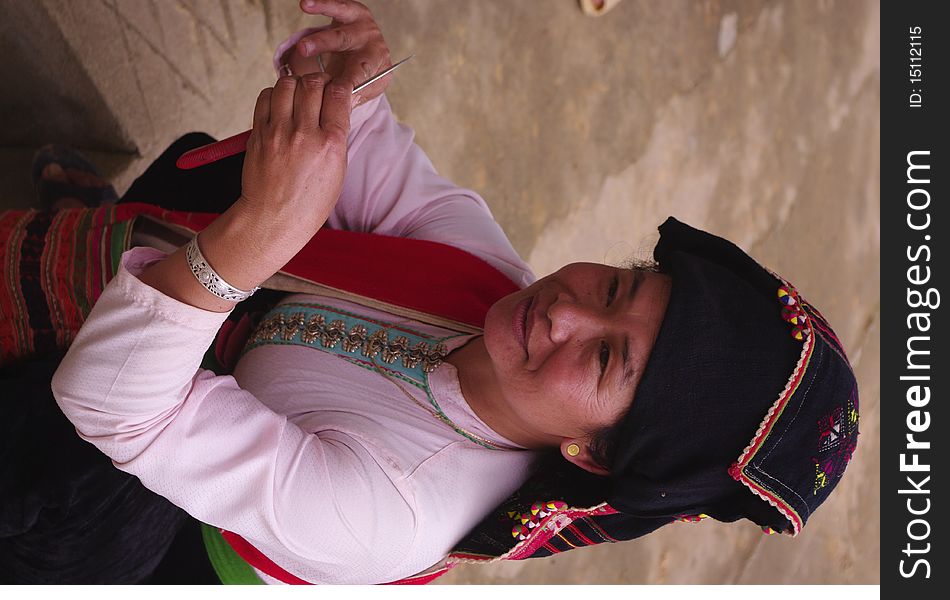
819	326
691	518
837	439
526	521
793	312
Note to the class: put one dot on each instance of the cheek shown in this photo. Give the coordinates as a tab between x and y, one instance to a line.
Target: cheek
570	364
564	383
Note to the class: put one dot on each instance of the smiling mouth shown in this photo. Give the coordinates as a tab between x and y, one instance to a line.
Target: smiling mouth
521	323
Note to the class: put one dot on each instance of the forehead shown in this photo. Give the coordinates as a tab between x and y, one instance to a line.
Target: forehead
640	318
649	285
586	270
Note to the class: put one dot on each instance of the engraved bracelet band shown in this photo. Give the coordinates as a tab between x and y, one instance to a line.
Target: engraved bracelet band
207	276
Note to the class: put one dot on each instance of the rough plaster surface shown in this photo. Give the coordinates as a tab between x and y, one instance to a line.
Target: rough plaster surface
754	119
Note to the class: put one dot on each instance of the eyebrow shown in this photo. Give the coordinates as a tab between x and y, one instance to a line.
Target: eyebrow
628	371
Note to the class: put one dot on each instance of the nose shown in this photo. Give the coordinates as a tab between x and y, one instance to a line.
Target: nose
571	319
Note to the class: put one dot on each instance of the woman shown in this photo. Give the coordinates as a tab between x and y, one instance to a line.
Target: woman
334	454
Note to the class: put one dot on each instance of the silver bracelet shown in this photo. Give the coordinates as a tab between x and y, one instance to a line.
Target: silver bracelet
207	276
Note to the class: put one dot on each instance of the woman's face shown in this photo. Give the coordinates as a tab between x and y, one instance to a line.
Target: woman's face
569	350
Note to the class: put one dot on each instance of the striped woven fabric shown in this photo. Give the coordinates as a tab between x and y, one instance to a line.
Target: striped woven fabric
55	266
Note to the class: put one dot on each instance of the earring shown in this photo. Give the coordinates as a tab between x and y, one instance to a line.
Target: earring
573	449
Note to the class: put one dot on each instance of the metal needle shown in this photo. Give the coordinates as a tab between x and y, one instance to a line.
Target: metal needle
381	74
238	143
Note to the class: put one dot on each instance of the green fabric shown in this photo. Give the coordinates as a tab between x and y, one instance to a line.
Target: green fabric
230	567
121	241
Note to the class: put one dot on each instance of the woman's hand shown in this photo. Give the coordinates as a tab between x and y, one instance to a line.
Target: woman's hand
296	154
293	174
352	46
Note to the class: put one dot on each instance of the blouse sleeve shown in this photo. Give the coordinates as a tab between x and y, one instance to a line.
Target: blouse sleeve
392	188
132	386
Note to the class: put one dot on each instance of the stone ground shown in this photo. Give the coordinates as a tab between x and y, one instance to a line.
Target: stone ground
757	120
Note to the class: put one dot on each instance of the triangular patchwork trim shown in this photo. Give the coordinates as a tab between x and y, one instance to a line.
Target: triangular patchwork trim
737	470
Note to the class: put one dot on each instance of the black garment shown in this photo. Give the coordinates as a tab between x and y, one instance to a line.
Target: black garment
67	515
211	188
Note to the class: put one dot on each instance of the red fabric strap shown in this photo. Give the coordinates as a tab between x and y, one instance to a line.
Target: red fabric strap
422	275
256	559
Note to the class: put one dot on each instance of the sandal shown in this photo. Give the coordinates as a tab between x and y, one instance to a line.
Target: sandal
596	8
48	191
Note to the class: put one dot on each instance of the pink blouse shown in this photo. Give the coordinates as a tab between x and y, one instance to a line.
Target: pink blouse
328	468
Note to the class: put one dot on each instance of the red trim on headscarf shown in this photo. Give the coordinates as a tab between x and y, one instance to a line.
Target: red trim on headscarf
737	469
540	535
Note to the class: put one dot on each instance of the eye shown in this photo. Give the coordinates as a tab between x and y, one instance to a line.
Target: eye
612	291
604	357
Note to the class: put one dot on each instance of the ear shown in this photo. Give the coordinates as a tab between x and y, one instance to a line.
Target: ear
583	459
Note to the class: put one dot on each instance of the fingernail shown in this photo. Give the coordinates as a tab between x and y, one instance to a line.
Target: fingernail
309	4
307	48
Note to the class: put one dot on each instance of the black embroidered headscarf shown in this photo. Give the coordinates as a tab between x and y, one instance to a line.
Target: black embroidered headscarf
747	407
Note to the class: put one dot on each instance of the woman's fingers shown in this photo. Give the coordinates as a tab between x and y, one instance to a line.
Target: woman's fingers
362	66
282	100
342	38
300	64
262	108
353	47
308	101
345	11
335	112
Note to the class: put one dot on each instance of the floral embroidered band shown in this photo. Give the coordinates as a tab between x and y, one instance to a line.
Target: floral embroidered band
350	336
